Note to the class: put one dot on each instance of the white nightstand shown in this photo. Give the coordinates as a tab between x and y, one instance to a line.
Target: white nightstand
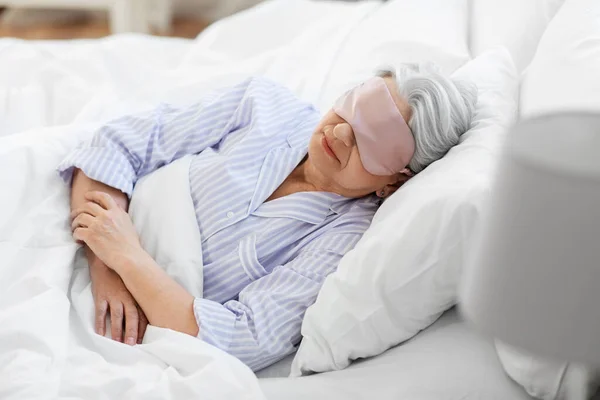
124	15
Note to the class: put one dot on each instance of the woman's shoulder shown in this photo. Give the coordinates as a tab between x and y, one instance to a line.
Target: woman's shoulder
281	109
276	93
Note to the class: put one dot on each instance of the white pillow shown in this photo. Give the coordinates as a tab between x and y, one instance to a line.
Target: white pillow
539	378
403	274
236	37
515	24
163	213
564	75
400	31
544	378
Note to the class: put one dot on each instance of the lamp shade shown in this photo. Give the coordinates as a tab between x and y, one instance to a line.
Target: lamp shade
534	281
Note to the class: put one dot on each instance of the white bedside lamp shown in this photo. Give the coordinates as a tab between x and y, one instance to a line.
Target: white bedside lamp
535	280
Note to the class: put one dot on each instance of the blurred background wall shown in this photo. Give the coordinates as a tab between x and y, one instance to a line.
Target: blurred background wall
181	18
211	9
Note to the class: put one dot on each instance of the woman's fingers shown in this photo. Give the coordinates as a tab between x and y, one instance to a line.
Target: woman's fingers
116	320
82	221
80	234
101	309
104	199
143	324
131	324
89	208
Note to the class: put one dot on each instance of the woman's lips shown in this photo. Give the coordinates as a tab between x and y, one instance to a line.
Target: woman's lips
328	148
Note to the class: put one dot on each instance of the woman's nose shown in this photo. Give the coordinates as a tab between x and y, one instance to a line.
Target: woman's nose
344	133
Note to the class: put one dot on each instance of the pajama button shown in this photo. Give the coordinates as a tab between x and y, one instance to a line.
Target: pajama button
230	214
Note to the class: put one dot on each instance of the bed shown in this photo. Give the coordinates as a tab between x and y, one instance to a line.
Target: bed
49	88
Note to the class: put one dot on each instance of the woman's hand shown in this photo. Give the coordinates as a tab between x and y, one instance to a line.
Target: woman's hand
112	298
107	230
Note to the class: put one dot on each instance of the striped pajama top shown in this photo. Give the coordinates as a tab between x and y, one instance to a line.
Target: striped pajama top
264	262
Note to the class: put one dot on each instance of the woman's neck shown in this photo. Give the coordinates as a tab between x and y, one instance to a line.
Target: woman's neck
303	178
310	177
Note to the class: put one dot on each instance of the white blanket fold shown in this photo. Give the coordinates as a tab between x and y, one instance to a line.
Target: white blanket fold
163	213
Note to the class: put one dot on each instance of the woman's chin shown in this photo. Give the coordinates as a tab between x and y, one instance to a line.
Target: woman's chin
322	162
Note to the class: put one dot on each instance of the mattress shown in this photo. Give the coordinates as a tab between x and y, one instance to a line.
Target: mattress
449	361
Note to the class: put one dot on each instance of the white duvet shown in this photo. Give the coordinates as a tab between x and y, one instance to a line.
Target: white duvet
47	345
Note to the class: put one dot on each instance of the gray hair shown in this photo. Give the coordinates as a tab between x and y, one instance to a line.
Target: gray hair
442	109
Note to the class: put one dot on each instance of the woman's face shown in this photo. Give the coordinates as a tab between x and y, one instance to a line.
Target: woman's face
334	153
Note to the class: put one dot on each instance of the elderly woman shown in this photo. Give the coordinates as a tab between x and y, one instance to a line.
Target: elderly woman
279	198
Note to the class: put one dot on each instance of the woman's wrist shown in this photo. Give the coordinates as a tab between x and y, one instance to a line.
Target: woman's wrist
131	261
94	262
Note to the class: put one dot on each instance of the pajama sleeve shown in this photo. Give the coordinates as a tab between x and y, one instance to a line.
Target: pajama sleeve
124	150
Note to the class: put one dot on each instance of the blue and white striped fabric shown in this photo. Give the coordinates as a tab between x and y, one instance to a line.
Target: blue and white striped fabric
264	262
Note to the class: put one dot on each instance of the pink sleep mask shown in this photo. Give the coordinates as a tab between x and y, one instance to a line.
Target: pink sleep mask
385	142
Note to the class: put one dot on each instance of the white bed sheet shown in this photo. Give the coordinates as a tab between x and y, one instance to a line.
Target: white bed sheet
281	369
449	361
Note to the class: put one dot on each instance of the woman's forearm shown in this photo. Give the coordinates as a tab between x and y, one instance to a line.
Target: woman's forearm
80	185
165	303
